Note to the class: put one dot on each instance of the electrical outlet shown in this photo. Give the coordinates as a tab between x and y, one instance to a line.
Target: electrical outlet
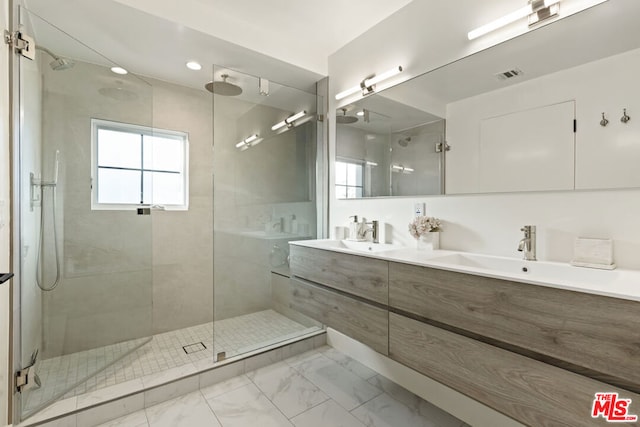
419	209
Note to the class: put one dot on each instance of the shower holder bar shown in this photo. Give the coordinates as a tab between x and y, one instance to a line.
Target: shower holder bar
34	194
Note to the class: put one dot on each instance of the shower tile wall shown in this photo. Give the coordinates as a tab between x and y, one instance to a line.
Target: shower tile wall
254	187
124	279
126	276
105	294
183	241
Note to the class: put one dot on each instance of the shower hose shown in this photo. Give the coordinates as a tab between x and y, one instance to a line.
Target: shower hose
41	240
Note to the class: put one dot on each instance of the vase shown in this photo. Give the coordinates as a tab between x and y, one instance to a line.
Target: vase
429	241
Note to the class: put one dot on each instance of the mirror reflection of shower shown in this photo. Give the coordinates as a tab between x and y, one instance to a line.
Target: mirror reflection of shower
39	189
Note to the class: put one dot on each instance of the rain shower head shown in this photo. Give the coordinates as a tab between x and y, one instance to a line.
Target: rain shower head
59	63
404	142
344	119
223	88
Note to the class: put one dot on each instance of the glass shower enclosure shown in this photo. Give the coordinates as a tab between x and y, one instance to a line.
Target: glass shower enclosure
153	217
265	165
85	272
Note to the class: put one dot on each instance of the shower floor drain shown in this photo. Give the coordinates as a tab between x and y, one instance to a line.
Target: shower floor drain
192	348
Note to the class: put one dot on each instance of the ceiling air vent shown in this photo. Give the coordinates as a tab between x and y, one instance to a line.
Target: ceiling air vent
509	74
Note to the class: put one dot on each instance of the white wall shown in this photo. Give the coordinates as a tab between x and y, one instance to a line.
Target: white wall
4	216
424	35
605	157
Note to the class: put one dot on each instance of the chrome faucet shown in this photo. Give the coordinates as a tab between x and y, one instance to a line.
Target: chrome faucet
362	234
528	244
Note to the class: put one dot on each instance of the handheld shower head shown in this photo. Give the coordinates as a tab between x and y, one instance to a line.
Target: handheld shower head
56	167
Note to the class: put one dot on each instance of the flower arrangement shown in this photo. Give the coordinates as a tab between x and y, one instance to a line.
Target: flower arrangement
422	225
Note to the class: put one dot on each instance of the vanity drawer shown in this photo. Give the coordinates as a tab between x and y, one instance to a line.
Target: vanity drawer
365	277
364	322
527	390
589	334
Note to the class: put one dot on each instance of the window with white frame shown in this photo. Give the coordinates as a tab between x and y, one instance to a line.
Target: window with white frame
138	165
349	179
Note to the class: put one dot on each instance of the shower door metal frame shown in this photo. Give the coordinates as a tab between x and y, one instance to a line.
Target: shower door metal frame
15	356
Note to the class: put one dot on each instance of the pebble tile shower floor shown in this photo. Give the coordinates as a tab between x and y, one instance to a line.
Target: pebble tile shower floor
165	351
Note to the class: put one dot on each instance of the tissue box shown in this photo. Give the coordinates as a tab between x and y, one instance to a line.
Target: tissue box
595	253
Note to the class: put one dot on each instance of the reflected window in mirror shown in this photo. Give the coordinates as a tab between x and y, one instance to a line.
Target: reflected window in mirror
349	179
395	146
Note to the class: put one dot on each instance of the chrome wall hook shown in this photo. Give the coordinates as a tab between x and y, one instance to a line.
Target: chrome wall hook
604	121
625	117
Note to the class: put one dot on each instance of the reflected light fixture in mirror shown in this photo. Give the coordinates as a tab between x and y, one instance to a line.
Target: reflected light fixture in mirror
367	85
249	142
400	168
536	10
289	120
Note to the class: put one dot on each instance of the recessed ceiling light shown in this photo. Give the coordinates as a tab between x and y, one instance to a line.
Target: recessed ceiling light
119	70
193	65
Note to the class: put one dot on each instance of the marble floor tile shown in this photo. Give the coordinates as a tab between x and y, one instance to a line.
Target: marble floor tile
415	403
137	419
354	366
343	386
185	411
327	414
303	357
247	406
385	411
287	388
223	387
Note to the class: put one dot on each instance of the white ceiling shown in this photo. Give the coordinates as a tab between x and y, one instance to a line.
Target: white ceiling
300	32
281	40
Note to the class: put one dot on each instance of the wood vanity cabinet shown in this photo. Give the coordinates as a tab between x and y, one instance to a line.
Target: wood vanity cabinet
346	292
532	392
365	277
360	320
592	334
536	354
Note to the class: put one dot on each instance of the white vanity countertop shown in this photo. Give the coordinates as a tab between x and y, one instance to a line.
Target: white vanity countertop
618	283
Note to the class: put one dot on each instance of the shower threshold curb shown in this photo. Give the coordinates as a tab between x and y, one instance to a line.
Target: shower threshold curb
186	379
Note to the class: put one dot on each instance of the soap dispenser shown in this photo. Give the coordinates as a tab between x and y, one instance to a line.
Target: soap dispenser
354	227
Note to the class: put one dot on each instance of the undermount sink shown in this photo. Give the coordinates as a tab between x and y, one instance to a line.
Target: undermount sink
367	246
351	245
532	269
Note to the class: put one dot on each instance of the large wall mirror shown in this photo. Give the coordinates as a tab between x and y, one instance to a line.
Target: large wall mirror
524	115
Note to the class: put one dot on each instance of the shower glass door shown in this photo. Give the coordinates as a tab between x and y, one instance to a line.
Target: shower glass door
265	161
85	247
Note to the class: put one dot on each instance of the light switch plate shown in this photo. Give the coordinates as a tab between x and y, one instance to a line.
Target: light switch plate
419	209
